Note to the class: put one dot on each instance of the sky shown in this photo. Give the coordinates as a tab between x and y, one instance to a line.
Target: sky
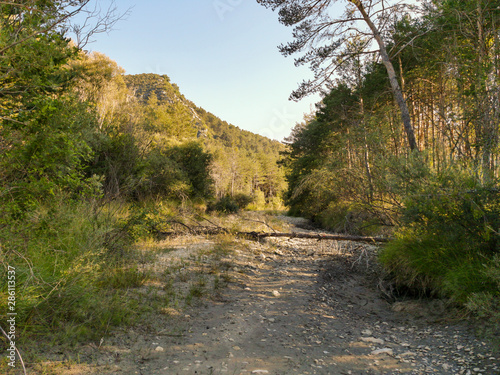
223	54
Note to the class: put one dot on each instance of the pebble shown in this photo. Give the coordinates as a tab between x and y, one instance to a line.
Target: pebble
260	372
387	351
276	293
372	340
159	349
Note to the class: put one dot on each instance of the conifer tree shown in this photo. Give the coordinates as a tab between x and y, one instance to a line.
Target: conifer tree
325	41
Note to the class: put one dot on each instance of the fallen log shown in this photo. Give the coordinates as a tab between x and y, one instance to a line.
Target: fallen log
317	236
260	235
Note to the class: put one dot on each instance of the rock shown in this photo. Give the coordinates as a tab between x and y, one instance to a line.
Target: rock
366	332
260	372
159	349
276	293
373	340
387	351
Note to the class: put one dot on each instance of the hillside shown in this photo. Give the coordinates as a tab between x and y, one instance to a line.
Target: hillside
144	86
244	162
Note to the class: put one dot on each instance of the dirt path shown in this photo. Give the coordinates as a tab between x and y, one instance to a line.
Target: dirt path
300	307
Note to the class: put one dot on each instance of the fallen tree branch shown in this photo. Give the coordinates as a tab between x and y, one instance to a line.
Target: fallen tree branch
260	235
317	236
262	222
193	230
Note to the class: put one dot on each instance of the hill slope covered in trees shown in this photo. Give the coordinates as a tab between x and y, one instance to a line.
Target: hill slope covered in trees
243	162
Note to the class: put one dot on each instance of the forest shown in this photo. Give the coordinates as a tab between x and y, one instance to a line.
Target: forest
93	159
432	187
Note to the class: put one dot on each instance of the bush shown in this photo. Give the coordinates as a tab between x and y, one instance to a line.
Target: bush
349	218
242	200
448	235
258	201
227	205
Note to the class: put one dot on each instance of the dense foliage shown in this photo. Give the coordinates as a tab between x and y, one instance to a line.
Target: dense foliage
349	166
86	155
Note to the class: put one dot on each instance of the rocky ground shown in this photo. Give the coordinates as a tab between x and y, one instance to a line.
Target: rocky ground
297	307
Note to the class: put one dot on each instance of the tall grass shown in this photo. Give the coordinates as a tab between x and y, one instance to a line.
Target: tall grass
72	266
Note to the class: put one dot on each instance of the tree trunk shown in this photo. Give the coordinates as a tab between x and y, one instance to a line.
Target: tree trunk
396	89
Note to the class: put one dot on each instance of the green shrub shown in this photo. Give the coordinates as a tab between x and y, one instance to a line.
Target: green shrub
242	200
349	218
227	205
448	233
258	201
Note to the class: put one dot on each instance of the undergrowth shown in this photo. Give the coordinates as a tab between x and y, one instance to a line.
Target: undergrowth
448	244
73	267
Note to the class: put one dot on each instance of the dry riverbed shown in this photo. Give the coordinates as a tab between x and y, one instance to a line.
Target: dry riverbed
281	307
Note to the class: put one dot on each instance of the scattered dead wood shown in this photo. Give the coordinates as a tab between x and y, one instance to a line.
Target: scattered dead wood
211	231
317	236
260	235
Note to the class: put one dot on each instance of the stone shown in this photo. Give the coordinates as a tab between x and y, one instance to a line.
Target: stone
159	349
387	351
373	340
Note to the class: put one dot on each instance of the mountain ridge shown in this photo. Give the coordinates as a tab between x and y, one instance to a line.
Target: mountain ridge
207	124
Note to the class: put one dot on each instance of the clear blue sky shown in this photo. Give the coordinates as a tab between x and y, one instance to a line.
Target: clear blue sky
222	53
